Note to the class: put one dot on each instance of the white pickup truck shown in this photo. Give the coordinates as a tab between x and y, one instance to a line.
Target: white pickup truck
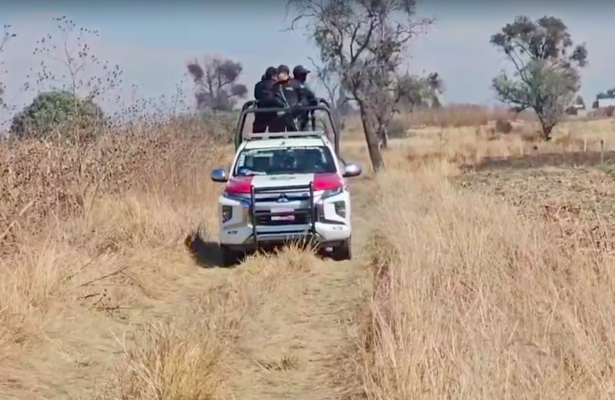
285	188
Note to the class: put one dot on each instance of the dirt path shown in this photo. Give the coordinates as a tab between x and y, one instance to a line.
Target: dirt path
295	348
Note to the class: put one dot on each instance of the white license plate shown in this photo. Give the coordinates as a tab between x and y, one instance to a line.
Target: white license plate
282	217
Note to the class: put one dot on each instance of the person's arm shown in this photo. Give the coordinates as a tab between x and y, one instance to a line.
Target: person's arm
271	99
310	96
258	91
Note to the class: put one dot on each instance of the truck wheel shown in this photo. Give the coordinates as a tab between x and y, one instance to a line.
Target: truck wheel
229	256
343	252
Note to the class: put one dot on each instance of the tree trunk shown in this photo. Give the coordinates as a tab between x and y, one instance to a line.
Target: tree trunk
547	129
383	136
371	138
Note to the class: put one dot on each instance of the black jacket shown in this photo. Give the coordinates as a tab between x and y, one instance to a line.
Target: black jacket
295	93
285	94
263	86
263	94
306	96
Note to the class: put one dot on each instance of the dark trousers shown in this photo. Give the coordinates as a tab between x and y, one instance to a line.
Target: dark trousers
262	121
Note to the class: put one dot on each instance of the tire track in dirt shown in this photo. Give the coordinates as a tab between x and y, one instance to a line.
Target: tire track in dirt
298	344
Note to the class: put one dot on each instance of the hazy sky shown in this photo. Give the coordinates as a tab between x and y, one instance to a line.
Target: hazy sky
151	41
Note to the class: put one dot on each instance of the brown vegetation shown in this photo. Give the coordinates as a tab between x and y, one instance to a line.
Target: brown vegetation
484	269
100	296
473	300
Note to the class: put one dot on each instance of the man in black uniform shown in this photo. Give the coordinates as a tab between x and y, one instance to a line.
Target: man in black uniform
286	94
264	99
306	96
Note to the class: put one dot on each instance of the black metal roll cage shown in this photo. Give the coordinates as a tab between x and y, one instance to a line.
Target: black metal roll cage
250	107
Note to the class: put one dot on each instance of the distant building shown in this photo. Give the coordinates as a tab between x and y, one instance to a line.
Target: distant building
605	100
604	103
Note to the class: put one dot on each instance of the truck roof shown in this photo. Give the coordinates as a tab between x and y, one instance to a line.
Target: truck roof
284	142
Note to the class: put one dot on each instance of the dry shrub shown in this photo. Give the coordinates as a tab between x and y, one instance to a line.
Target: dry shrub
471	301
503	126
59	180
101	237
77	290
189	358
170	361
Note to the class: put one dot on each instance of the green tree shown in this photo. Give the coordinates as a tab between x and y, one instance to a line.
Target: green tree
546	66
58	113
416	91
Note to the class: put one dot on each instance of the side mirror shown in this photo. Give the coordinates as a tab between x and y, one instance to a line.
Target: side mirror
352	170
219	175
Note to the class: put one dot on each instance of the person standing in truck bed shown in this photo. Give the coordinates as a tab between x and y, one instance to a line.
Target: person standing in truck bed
263	94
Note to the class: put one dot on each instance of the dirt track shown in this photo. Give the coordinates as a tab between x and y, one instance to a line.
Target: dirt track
298	345
141	316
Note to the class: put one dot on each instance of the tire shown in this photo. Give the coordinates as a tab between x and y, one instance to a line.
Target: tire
343	252
229	257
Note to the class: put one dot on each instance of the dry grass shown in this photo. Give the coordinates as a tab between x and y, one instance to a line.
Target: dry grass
473	300
99	296
471	146
469	296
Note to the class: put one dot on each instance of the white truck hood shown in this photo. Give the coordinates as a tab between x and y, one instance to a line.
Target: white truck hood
263	181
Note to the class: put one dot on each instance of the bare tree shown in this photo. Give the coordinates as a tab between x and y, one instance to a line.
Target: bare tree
216	80
6	37
84	74
365	42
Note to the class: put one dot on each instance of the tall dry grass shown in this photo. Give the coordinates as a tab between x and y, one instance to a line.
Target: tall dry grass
99	296
472	301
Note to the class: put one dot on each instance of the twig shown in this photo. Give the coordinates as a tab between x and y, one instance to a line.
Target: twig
68	278
116	272
89	209
23	210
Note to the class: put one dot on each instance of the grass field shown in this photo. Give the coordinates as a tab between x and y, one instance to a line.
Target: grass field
483	270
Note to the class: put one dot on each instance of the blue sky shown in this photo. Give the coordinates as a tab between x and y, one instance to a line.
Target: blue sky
152	42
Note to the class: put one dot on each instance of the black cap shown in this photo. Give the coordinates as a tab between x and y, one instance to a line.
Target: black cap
283	68
300	70
270	72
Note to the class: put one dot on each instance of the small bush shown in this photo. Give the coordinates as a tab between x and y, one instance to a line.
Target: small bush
503	126
572	111
58	113
398	128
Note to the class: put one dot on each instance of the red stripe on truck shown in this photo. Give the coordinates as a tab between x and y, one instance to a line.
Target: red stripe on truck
327	181
239	185
243	184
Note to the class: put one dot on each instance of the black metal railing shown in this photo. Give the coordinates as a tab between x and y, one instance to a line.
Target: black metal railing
305	214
